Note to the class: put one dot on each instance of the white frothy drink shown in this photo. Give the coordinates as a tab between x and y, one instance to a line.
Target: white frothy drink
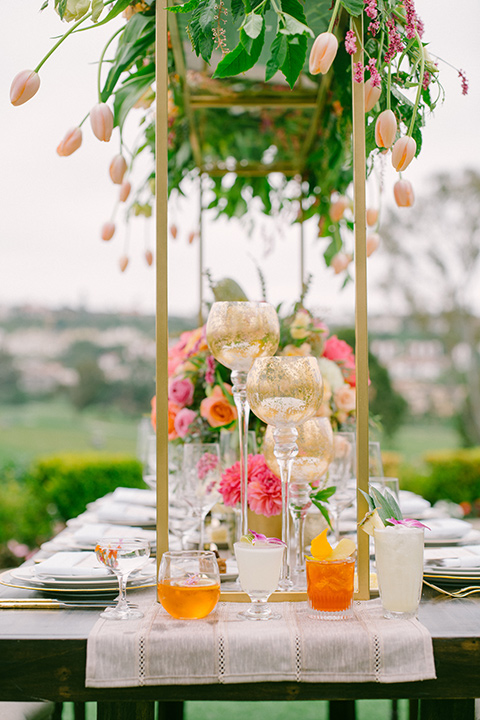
259	567
399	562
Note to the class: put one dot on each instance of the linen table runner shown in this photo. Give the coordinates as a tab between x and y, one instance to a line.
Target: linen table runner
222	648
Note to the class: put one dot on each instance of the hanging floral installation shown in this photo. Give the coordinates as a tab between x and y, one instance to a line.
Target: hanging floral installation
259	101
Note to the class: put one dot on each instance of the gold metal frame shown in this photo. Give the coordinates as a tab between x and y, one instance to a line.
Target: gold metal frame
300	99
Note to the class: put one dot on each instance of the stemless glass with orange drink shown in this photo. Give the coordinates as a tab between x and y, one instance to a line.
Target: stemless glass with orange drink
188	583
330	578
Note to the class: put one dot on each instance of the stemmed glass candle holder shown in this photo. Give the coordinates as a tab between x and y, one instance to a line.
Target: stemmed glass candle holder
123	556
237	333
315	452
201	480
285	392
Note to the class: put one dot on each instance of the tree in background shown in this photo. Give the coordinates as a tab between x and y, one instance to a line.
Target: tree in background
10	376
433	265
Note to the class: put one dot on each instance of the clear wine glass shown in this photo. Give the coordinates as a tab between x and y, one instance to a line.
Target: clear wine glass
285	392
315	452
201	480
340	475
259	566
237	333
123	556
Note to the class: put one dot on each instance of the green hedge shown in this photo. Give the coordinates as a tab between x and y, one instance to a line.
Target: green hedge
36	501
450	475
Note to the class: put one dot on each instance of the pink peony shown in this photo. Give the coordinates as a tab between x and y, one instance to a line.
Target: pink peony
180	391
336	349
183	420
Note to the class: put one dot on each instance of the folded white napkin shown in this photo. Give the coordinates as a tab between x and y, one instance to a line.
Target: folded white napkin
463	562
122	512
412	505
446	529
136	496
71	564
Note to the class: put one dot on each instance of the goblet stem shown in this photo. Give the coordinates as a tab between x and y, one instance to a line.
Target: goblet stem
299	504
285	450
239	380
336	519
122	604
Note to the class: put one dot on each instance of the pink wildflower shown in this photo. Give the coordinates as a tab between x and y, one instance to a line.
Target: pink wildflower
410	27
358	72
207	462
350	42
420	26
374	27
375	78
464	80
210	371
371	8
426	79
395	44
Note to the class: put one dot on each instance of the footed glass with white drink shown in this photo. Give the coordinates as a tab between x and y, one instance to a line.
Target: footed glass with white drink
399	546
259	561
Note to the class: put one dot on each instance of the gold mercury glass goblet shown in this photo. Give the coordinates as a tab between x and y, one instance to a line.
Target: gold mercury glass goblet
237	334
285	392
315	452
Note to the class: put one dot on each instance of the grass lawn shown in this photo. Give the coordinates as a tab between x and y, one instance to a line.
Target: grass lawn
415	439
33	429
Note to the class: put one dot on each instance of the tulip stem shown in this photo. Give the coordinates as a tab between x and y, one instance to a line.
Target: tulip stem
334	16
81	123
420	85
389	86
100	62
69	32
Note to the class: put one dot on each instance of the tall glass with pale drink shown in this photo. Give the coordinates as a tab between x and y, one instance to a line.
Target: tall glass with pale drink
399	563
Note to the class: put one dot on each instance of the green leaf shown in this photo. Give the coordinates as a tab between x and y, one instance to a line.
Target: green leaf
323	510
206	15
61	6
237	9
278	53
294	26
239	60
386	505
371	504
186	7
97	7
131	91
252	25
202	42
295	58
354	7
325	494
119	7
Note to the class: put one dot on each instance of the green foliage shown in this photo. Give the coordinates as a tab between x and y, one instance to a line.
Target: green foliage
68	482
454	475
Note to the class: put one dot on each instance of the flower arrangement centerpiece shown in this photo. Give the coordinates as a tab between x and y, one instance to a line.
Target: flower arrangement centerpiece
201	405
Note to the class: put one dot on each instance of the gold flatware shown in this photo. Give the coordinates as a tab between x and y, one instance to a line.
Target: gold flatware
463	592
48	604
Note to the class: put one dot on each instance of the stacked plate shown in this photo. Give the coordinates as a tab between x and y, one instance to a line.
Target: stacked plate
455	571
448	531
75	573
85	537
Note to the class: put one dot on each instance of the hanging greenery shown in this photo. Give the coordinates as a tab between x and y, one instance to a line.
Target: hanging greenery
289	146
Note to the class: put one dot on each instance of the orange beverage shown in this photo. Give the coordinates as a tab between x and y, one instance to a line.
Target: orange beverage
187	600
330	586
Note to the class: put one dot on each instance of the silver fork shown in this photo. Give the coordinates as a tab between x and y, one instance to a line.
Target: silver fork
463	592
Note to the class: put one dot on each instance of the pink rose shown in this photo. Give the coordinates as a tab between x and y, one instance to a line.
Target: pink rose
180	391
183	420
344	398
336	349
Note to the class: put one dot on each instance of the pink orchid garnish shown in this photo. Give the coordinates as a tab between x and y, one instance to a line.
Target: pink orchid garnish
407	522
263	538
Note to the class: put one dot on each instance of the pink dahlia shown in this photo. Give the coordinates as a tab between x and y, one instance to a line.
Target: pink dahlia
264	488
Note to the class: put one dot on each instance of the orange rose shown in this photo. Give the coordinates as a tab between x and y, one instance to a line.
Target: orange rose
173	410
216	409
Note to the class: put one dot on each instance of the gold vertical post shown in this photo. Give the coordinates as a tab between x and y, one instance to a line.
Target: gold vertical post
200	254
361	327
161	203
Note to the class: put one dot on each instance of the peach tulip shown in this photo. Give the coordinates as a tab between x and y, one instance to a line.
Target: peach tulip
70	143
403	152
124	191
372	95
372	216
149	257
338	207
24	86
123	262
373	241
101	120
173	231
322	53
108	230
403	193
118	168
385	129
340	262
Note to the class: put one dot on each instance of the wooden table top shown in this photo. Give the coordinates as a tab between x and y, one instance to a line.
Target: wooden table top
43	656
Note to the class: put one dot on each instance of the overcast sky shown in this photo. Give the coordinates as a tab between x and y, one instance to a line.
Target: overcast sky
53	208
